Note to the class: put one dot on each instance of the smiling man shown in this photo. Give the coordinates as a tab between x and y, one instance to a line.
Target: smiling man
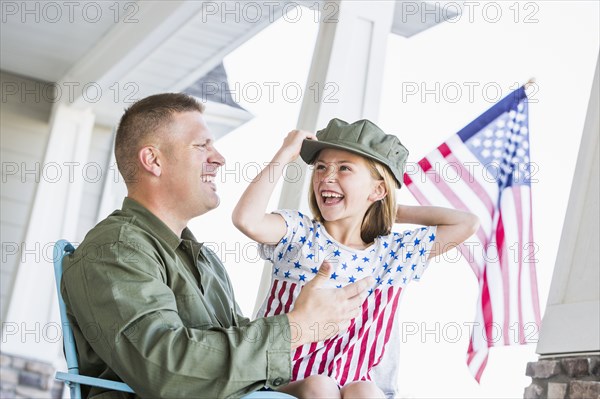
153	307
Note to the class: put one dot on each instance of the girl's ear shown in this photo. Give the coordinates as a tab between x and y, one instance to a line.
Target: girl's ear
378	192
149	159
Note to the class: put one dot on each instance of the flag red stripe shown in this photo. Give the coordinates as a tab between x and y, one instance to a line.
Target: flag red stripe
502	258
486	306
470	351
444	150
424	164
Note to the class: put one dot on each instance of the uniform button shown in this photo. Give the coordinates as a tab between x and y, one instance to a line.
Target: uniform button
278	381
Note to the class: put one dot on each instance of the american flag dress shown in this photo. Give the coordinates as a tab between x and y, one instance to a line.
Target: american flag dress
393	260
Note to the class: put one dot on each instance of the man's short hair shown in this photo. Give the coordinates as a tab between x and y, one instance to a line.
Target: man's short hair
145	118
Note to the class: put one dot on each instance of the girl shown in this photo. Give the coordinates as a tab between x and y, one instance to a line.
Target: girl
356	169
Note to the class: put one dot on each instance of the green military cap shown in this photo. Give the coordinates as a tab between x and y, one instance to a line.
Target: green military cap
362	137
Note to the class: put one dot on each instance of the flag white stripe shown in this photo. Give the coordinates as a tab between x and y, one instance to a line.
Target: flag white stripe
462	190
478	360
479	335
473	252
429	189
529	316
483	176
494	277
474	248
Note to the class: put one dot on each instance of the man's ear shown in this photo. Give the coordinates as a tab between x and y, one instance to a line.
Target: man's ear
150	161
379	191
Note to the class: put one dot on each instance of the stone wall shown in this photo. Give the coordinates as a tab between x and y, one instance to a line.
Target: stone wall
22	378
575	377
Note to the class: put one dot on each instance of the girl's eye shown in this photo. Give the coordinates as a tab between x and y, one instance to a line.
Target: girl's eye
344	167
320	167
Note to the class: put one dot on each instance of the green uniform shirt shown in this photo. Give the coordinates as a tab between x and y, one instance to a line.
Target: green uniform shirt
157	311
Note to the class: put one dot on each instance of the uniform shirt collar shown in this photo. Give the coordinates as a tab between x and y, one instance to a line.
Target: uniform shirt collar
155	225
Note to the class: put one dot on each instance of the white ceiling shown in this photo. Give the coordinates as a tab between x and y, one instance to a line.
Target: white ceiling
152	47
126	50
43	41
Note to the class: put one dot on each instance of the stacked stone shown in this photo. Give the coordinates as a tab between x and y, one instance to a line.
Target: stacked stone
576	377
22	378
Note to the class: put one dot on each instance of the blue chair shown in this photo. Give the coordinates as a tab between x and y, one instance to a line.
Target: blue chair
72	377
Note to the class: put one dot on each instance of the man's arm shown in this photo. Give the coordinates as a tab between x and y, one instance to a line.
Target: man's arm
131	320
453	226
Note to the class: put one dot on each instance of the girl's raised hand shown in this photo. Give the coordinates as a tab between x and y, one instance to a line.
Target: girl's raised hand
290	149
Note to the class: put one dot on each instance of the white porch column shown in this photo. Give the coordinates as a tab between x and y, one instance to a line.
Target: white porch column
32	326
346	74
569	344
571	322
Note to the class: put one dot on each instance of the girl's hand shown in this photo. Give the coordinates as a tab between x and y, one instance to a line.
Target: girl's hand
453	226
290	149
250	214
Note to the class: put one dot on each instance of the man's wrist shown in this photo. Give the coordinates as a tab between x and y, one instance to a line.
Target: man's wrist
296	336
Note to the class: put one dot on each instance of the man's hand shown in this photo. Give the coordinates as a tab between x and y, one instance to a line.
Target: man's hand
320	313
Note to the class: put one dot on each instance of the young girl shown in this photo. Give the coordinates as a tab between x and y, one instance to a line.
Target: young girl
356	169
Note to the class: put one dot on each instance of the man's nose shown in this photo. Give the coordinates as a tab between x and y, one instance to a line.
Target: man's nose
216	158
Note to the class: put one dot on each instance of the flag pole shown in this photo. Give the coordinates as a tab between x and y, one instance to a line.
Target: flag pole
530	82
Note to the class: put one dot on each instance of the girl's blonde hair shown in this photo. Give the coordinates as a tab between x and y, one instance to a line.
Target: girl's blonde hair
380	216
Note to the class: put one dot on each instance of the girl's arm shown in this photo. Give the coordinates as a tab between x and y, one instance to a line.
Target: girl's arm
249	215
453	226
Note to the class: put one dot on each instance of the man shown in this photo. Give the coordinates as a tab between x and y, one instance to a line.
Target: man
154	308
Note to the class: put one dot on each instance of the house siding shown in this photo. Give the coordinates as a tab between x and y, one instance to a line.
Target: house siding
24	131
25	127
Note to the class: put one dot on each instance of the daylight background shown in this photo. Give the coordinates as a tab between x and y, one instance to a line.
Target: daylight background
493	48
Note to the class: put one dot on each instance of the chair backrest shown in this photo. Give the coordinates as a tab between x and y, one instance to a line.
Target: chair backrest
72	378
62	248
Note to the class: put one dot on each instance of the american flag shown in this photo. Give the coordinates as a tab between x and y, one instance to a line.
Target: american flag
485	169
